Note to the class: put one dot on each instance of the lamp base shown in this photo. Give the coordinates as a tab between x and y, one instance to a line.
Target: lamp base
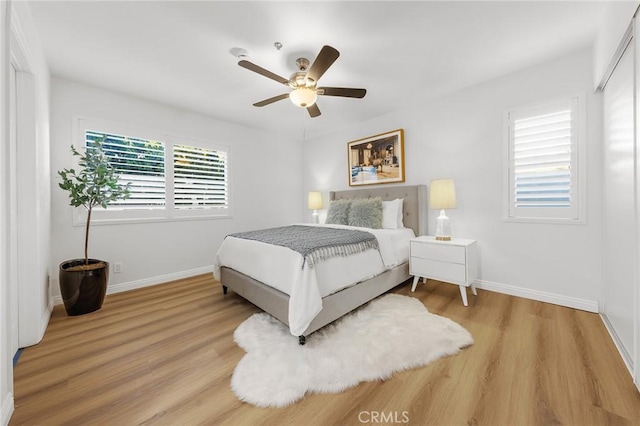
443	227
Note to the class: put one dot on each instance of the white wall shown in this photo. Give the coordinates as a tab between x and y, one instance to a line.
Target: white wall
461	136
265	188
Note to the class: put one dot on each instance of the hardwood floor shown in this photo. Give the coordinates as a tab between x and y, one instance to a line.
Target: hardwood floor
165	354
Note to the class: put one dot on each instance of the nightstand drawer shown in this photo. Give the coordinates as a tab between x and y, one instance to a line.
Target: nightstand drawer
441	271
442	252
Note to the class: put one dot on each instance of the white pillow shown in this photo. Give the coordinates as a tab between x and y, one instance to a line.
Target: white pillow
392	214
400	201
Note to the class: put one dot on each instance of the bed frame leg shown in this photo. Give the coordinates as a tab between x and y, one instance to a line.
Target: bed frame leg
302	340
224	289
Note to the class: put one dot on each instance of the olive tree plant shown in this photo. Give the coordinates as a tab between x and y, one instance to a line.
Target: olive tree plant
94	184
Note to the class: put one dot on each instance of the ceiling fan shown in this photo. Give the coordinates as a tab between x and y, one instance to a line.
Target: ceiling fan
304	82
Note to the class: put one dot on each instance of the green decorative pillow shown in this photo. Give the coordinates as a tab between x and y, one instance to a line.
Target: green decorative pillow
366	213
339	212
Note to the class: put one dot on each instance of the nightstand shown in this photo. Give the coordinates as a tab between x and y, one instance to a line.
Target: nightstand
454	261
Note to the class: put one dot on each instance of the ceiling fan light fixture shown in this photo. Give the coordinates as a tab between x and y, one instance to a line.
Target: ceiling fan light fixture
303	97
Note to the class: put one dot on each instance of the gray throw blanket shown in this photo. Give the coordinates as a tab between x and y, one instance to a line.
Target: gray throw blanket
314	243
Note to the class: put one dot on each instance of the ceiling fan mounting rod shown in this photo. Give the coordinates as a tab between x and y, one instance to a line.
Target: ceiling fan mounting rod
302	63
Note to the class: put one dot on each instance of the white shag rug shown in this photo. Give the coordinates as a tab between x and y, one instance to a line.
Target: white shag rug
389	334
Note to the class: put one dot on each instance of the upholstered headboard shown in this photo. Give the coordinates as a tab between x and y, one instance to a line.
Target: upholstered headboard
414	206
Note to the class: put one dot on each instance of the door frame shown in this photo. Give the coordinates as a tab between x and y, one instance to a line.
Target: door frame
26	134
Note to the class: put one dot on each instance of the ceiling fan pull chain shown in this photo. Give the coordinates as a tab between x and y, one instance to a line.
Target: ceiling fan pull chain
304	125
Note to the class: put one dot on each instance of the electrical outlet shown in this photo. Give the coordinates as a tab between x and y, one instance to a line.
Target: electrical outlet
117	267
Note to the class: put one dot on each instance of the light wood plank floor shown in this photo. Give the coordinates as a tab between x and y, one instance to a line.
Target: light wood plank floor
165	354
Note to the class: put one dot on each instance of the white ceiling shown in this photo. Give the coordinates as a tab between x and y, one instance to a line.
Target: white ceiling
177	52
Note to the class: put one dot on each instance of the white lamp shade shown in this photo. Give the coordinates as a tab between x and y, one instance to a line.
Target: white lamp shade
303	97
442	194
315	200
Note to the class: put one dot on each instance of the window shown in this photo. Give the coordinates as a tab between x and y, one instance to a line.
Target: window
545	146
169	177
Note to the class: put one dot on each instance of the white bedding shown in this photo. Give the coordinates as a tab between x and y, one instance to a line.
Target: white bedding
280	268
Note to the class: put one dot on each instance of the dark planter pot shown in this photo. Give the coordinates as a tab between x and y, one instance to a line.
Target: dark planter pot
83	291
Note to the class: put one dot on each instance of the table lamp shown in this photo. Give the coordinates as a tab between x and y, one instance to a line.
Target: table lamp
442	195
315	203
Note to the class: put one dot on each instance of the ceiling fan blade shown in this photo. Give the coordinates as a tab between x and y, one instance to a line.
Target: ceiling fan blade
257	69
345	92
314	111
271	100
325	59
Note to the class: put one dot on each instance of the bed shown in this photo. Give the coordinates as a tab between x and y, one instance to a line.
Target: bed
235	275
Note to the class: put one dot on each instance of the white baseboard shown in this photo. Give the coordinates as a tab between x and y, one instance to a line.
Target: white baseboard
541	296
626	357
45	319
556	299
146	282
7	409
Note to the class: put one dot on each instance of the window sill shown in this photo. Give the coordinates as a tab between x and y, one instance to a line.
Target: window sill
81	221
545	220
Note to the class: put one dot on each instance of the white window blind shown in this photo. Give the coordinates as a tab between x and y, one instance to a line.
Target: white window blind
543	161
200	177
138	161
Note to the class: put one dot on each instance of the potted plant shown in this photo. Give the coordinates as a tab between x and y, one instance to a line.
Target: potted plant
83	282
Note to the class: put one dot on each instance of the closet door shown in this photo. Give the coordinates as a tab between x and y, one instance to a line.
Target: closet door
619	216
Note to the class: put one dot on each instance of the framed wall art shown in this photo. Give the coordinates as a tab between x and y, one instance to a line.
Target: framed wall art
377	159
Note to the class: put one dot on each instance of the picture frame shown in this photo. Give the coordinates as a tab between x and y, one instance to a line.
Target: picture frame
377	159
